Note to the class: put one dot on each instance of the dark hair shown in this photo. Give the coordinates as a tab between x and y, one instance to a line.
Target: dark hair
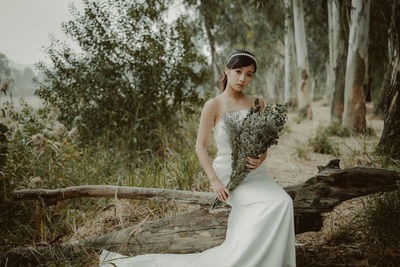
237	62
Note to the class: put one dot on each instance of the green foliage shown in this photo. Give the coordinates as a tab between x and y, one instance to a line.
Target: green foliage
336	128
44	154
321	143
135	70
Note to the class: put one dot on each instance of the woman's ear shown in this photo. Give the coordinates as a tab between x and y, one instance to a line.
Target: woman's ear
226	71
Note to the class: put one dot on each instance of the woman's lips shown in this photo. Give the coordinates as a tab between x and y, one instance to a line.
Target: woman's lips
241	85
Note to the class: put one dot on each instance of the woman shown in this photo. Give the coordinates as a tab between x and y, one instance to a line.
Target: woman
260	231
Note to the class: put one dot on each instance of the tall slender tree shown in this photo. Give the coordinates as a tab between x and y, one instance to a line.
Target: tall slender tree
337	58
303	72
205	6
290	70
390	139
356	79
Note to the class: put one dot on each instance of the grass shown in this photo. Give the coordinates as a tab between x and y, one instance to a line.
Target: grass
376	228
301	151
322	143
58	161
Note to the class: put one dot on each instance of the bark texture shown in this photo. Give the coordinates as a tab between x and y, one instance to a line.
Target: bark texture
290	95
51	196
356	68
337	57
390	139
303	72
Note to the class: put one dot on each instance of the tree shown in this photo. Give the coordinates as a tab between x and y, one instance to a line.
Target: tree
356	79
390	139
209	25
135	71
337	58
303	72
290	70
4	68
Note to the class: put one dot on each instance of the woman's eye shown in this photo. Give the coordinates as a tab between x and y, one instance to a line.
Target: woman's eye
238	71
249	75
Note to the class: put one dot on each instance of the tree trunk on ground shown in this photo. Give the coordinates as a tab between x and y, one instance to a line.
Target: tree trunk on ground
208	24
318	194
200	229
303	72
290	95
337	57
390	139
357	67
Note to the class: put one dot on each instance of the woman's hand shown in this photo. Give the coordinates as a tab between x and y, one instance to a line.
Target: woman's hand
254	163
220	190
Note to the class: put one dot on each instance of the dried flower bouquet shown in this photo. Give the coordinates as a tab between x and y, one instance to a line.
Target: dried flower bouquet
250	137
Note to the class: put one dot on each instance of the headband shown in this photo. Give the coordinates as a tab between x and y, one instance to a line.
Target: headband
241	54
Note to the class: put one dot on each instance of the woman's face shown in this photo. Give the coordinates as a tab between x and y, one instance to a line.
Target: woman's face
239	78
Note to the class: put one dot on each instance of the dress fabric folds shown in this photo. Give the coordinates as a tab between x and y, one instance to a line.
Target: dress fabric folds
260	230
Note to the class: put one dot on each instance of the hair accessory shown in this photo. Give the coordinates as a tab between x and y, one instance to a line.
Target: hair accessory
241	54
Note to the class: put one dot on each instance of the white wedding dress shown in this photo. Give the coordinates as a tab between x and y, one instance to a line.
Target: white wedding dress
260	231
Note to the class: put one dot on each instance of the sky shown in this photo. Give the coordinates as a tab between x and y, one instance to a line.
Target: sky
26	24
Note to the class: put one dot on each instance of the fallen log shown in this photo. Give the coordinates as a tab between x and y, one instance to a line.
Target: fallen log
201	229
317	195
51	196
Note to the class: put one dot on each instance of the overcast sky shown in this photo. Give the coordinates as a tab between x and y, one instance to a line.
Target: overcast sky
26	24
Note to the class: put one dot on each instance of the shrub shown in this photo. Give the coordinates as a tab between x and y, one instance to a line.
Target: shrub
321	143
336	128
135	71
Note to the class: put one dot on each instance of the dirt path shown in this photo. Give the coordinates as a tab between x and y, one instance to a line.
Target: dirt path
287	168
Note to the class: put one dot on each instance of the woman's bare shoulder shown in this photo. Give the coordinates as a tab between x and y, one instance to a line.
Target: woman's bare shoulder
212	106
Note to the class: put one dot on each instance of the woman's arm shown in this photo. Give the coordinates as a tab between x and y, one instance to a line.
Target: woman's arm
207	119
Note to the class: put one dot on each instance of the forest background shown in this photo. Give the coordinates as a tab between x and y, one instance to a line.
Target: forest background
123	108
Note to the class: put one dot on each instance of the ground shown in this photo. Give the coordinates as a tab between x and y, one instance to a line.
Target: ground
283	165
287	168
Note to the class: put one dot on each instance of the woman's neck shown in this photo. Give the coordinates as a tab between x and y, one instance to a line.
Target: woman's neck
231	93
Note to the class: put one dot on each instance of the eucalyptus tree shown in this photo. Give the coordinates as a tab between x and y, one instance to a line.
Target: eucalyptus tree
390	139
357	67
290	96
207	8
303	72
337	57
134	70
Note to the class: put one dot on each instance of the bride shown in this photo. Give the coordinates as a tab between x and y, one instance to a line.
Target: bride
260	231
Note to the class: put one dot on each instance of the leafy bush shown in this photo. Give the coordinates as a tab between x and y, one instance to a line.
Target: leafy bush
135	70
321	143
44	154
336	128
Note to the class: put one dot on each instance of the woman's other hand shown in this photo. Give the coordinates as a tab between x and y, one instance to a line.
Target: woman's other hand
220	190
254	163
